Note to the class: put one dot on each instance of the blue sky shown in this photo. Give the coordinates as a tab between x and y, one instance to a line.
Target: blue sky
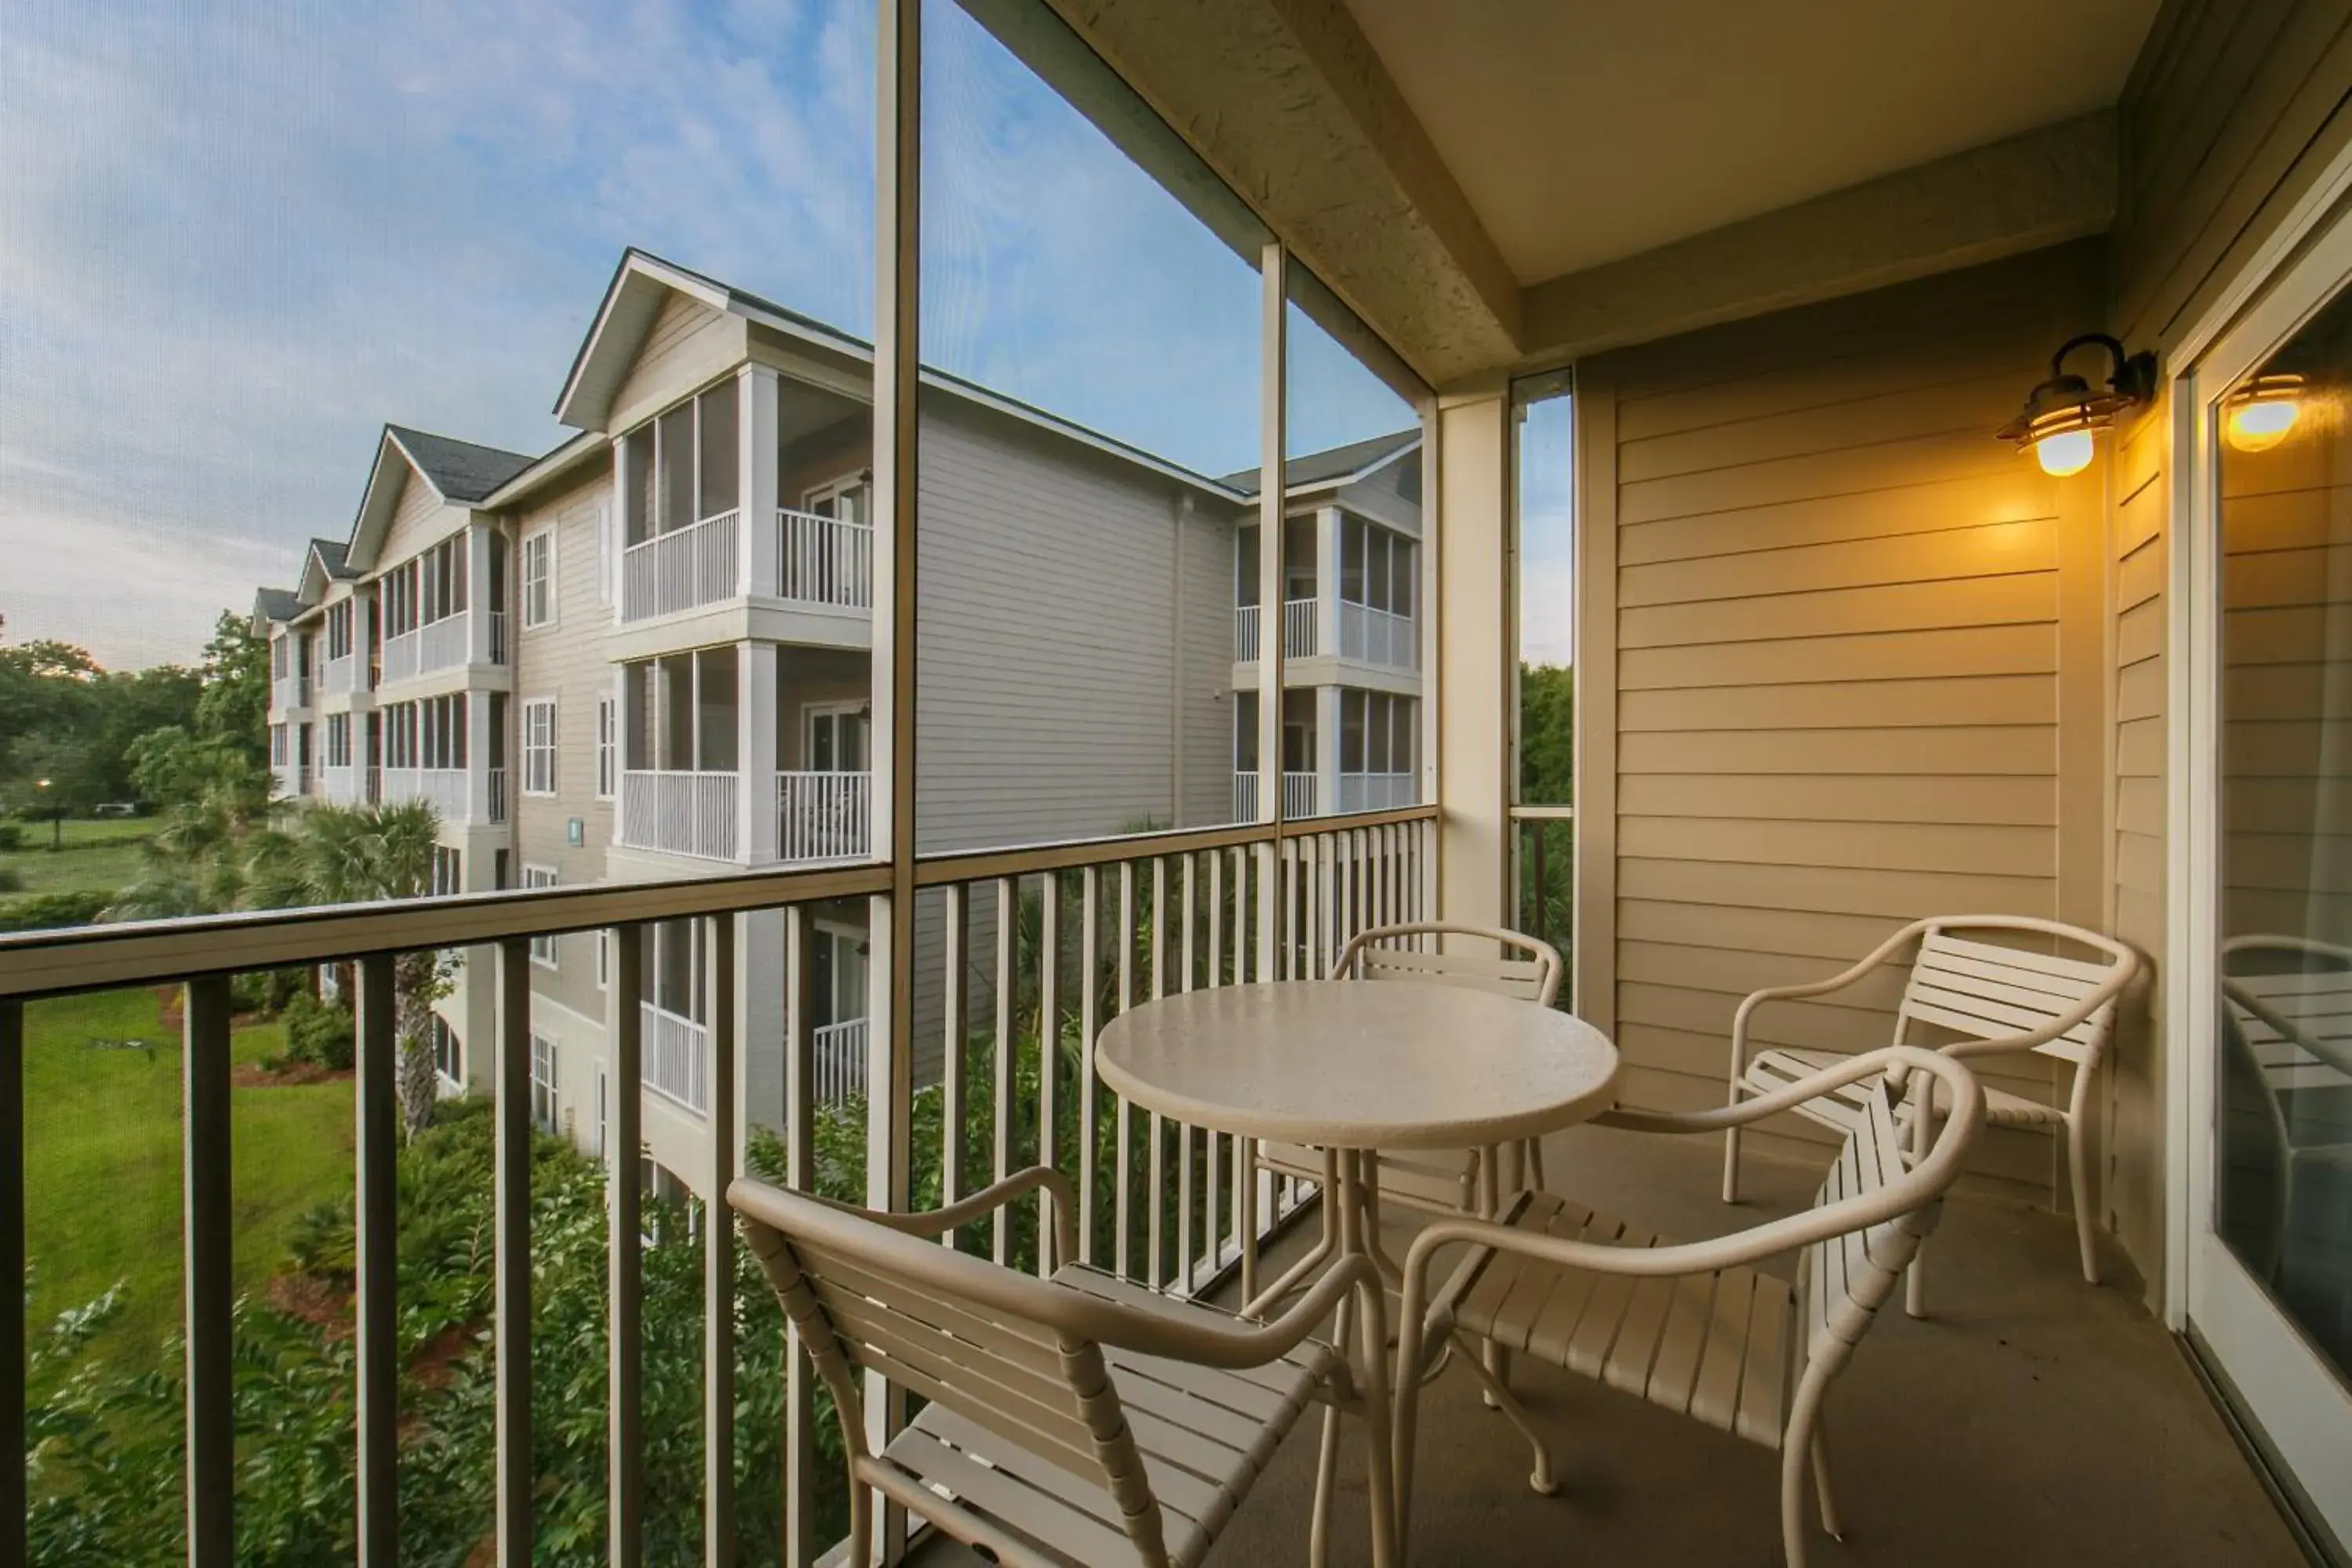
1547	534
234	239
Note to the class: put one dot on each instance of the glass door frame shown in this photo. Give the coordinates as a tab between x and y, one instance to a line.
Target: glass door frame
2298	1409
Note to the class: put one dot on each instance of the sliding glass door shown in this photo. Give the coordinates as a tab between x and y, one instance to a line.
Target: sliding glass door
2267	917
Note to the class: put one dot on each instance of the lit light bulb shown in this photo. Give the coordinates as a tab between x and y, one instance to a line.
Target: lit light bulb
2068	452
2258	427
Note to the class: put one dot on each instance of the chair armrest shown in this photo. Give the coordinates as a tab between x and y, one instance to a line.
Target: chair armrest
1895	1061
1230	1343
1921	1185
1838	982
988	1200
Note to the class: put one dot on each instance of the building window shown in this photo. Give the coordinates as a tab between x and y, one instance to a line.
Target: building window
278	745
608	748
539	578
543	1113
539	746
684	466
545	950
449	871
339	740
849	498
448	1053
679	712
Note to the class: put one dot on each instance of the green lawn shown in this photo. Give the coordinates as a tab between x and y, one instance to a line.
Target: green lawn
97	856
102	1160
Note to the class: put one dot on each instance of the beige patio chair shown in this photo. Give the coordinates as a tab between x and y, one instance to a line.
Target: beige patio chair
1076	1421
1694	1326
1999	1000
1435	1182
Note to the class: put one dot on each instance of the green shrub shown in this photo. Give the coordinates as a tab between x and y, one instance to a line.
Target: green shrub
317	1032
40	911
11	880
12	835
267	990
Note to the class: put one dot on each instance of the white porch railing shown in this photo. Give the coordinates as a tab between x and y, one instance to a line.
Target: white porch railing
1375	792
289	691
678	1057
444	643
1377	636
1298	628
824	560
824	816
340	677
1298	795
341	787
1299	639
840	1061
400	656
443	789
684	569
680	811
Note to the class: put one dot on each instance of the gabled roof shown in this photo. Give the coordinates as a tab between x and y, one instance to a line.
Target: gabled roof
322	564
330	553
641	284
1335	466
461	473
274	604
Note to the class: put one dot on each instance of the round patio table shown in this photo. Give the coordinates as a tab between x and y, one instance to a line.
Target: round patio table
1354	1067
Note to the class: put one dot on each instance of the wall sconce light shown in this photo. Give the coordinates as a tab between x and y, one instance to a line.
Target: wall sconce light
2062	415
2257	415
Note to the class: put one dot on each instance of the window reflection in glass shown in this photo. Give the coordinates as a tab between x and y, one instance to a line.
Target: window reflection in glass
2283	1185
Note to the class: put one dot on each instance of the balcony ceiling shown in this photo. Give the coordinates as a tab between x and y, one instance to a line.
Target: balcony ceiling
1583	134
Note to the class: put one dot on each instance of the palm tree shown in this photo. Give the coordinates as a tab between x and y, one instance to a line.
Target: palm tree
364	853
197	861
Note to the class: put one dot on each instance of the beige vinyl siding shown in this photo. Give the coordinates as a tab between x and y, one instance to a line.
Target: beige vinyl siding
564	660
1837	604
688	344
1047	616
419	518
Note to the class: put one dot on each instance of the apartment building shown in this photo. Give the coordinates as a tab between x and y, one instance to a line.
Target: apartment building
648	653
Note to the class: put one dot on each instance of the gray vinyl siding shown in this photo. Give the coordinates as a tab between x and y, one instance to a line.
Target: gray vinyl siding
1049	703
1205	655
564	660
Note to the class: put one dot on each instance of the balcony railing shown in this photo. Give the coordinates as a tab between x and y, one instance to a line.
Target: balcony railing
1299	639
679	812
1123	920
445	643
678	1057
1298	796
839	1059
289	691
684	569
1377	636
1375	792
341	785
443	789
824	816
340	677
824	560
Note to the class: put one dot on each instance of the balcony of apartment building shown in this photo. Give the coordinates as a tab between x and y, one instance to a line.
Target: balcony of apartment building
750	754
441	616
1350	603
447	752
1344	748
746	512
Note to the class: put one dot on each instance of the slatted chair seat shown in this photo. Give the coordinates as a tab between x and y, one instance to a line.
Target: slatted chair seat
1204	1434
1068	1422
1436	1182
1714	1346
1994	999
1696	1326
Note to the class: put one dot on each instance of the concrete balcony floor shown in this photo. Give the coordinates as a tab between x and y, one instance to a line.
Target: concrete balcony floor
2032	1419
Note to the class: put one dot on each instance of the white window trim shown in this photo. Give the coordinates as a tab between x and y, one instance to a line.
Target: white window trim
544	1047
548	581
552	955
839	486
608	746
524	751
